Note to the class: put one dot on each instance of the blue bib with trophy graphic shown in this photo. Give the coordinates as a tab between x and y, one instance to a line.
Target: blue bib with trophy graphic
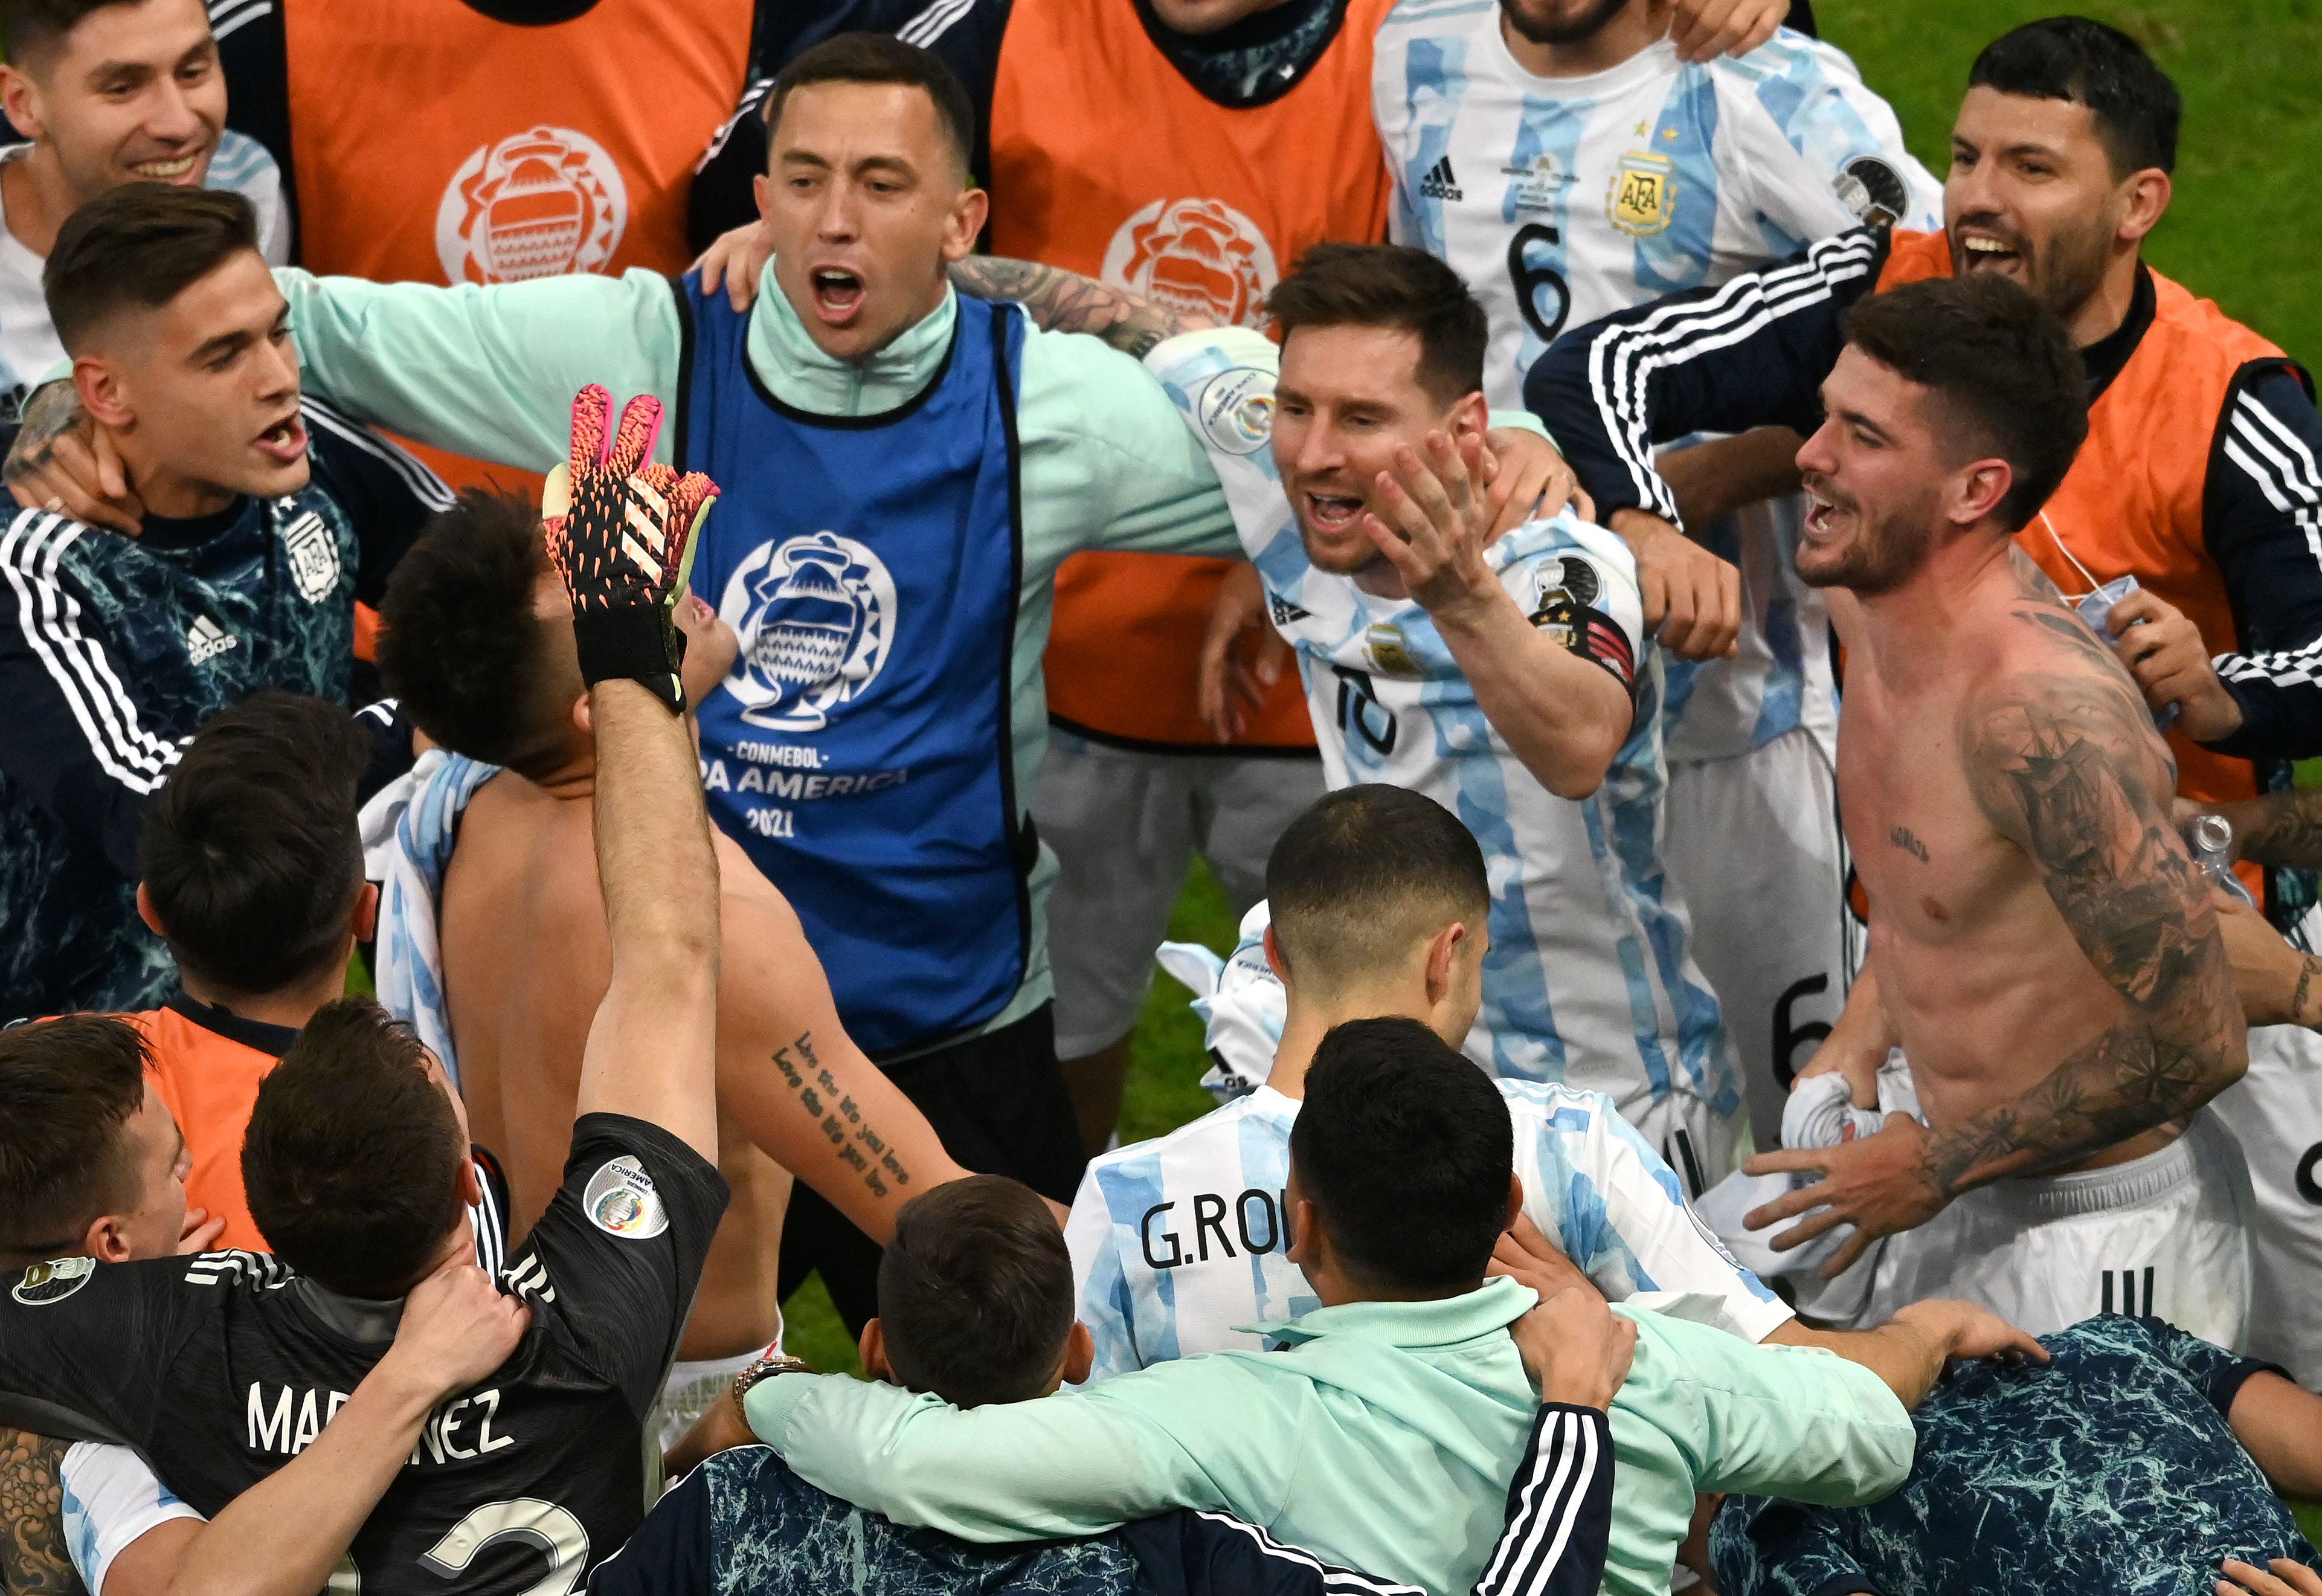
860	750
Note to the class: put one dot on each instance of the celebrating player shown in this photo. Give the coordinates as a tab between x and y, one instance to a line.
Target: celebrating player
221	1369
260	537
1379	904
2042	948
478	646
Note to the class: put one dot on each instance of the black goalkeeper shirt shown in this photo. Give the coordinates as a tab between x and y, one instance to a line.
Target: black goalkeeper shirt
220	1368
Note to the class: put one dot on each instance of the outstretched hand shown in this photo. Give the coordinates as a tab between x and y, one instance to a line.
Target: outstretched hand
1876	1183
1242	655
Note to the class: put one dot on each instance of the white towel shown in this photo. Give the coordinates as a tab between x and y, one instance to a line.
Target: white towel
1241	1003
407	831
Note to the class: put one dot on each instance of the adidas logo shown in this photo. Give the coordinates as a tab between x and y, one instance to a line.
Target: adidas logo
206	639
1283	611
1439	183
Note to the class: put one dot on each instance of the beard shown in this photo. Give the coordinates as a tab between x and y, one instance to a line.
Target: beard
1576	31
1884	554
2060	273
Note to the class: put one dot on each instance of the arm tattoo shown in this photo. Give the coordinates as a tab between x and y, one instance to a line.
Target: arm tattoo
857	1144
2280	829
52	411
2067	766
1063	301
33	1557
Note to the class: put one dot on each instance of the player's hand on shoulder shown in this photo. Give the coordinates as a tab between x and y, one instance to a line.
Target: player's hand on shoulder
2287	1579
2164	651
457	1328
735	260
64	463
1242	655
1704	29
1692	598
1530	481
1968	1330
200	1232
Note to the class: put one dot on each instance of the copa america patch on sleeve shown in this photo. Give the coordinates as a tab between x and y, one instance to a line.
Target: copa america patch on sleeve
621	1201
44	1283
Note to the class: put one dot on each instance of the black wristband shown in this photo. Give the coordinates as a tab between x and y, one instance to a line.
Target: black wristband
637	643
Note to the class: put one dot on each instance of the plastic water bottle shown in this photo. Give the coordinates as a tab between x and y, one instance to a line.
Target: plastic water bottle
2210	837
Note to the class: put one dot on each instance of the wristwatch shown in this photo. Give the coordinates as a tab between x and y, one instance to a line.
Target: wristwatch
771	1365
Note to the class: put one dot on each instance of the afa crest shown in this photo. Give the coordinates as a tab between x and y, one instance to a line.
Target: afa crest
1642	200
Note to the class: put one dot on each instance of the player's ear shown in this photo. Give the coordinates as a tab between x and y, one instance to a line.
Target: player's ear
366	916
105	1241
152	921
1443	960
2147	194
1470	414
99	387
582	721
1273	960
872	1349
966	221
471	1184
1516	1199
19	96
1979	489
1080	1357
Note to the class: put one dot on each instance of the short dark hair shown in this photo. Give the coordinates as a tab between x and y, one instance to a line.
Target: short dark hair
459	646
2136	107
1998	360
140	244
976	1292
1388	285
250	851
352	1162
1364	870
881	58
68	1090
1405	1149
29	29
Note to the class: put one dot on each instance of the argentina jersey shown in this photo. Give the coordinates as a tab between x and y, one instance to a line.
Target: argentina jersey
1588	980
1562	200
1180	1242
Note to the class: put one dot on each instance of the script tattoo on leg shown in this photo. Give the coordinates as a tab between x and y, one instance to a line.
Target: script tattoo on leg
852	1137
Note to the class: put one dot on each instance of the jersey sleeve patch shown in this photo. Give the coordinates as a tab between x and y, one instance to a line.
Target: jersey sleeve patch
1567	609
620	1200
44	1283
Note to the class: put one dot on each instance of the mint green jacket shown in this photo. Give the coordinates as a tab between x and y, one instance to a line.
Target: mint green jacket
1383	1438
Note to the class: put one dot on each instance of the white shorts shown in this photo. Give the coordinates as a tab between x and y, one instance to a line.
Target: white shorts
1124	826
2275	1113
2166	1234
1753	844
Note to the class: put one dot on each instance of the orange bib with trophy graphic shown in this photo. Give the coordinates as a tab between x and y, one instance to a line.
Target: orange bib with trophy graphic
431	143
2132	503
1106	162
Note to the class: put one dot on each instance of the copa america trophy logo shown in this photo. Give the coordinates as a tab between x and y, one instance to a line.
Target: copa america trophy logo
540	203
816	616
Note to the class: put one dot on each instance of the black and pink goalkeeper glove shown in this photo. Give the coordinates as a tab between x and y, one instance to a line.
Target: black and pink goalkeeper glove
621	533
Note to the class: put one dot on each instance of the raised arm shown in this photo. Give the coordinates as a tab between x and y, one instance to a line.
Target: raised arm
622	533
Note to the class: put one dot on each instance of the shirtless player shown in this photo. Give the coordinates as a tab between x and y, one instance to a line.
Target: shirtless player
476	644
2042	948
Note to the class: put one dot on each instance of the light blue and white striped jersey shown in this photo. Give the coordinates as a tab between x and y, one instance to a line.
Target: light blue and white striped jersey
1588	980
1180	1241
1561	200
111	1498
29	349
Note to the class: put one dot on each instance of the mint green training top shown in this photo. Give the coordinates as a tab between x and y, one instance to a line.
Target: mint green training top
1383	1438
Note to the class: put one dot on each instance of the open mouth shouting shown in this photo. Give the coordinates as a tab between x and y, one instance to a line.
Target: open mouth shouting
838	294
285	442
1338	514
1982	247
